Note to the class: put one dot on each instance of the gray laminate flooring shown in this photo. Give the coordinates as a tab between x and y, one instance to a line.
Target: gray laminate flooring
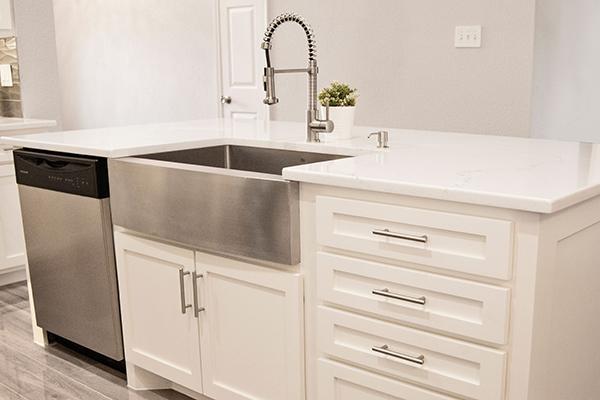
30	372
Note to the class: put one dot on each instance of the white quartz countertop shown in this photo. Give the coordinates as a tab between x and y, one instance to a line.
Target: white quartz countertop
525	174
18	124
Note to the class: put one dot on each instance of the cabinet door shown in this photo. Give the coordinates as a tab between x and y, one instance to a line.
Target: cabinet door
251	331
159	335
12	243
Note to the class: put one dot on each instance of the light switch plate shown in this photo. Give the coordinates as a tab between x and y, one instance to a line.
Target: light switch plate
6	75
468	36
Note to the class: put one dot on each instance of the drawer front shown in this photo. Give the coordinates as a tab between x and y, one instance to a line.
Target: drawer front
453	305
435	361
342	382
463	243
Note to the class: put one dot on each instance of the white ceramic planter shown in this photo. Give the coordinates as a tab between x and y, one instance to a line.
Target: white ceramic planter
343	120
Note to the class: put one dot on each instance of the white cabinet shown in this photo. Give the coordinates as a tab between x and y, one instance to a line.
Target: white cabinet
236	334
159	337
252	328
12	243
409	301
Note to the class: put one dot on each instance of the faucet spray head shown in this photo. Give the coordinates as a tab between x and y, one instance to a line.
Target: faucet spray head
269	86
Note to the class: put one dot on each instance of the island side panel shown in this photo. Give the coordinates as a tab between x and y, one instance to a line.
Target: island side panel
565	352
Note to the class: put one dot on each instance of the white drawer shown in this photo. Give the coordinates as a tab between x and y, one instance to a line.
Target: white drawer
435	361
342	382
453	305
464	243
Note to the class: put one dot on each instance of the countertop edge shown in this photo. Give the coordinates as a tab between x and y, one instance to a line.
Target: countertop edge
26	123
527	204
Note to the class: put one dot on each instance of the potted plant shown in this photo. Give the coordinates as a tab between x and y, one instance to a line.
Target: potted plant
341	99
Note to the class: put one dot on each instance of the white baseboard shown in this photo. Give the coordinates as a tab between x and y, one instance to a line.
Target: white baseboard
13	276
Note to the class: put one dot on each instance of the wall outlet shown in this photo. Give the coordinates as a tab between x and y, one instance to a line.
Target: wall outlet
468	36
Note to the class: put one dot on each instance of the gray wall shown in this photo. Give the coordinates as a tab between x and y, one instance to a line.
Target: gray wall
135	61
566	96
40	90
400	55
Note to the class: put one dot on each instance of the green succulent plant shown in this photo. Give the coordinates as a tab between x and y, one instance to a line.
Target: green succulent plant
338	95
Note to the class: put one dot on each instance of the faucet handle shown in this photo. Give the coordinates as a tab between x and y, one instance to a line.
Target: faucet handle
382	139
326	124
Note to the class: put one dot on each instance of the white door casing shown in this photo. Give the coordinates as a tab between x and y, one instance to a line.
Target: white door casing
241	24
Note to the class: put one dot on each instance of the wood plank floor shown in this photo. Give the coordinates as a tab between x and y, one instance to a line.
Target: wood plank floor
30	372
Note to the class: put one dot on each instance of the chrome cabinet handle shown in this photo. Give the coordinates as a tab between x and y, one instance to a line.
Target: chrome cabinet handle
195	278
403	236
184	305
385	349
225	100
386	293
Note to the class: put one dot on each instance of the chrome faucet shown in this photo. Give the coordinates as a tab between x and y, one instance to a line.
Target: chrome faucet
314	125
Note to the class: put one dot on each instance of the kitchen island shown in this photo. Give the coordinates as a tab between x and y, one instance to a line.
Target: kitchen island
450	266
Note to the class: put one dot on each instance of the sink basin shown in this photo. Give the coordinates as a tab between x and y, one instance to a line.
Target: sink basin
227	199
243	158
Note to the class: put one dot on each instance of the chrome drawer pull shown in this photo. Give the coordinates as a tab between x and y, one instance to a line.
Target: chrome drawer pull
385	349
403	236
386	293
184	305
195	278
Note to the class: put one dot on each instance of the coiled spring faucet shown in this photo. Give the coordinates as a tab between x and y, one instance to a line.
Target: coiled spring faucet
314	125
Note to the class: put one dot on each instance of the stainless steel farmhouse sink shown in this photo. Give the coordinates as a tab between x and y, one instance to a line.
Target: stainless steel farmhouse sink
228	199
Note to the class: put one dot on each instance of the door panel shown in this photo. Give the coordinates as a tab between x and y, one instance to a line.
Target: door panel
158	336
241	26
251	331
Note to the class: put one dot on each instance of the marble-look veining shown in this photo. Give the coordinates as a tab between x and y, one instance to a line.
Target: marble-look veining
525	174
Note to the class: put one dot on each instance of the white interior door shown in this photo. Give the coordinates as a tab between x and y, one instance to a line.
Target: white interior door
242	24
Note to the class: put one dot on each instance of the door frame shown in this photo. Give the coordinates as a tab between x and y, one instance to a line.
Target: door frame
218	55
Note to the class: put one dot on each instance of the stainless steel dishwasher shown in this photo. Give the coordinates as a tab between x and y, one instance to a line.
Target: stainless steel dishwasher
69	240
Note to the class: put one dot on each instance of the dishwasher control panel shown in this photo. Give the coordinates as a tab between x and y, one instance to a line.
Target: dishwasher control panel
68	173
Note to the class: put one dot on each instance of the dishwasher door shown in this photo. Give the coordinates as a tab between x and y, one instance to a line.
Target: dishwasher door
72	268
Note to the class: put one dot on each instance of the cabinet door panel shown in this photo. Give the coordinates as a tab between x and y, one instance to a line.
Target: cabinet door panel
251	331
158	337
12	243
